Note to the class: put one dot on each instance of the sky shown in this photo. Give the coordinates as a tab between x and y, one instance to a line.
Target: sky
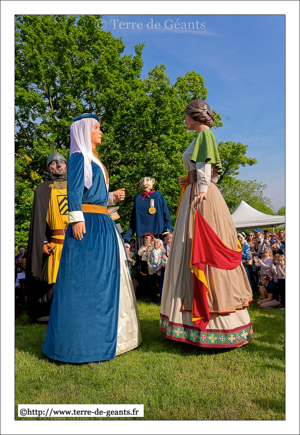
242	60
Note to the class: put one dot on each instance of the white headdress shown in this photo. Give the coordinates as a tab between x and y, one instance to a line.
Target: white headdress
80	133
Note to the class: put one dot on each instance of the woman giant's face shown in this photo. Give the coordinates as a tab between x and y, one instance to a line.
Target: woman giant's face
190	123
96	135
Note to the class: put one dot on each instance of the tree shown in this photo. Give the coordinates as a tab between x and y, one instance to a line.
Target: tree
233	156
66	66
281	211
251	191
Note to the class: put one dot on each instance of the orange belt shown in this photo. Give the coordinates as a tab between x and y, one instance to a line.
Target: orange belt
191	178
91	208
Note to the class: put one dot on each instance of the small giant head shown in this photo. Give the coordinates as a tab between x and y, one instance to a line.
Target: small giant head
147	183
57	166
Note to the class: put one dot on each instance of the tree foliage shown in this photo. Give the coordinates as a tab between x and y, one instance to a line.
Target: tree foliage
66	66
251	191
281	211
233	156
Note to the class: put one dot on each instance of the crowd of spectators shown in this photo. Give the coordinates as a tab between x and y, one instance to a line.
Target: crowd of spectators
263	257
147	265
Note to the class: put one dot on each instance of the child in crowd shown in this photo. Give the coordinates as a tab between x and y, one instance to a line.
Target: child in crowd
269	293
154	261
279	272
266	262
154	257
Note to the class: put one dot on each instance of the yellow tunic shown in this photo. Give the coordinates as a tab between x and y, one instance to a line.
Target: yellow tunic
57	218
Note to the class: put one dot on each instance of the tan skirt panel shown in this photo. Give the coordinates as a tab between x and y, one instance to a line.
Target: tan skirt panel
228	289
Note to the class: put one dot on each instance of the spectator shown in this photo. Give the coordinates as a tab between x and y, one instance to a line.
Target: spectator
266	262
274	268
252	269
282	240
19	280
133	266
246	255
22	251
167	247
275	235
266	243
269	293
250	241
132	245
258	233
275	247
282	246
154	259
257	247
18	294
143	277
280	274
257	252
20	270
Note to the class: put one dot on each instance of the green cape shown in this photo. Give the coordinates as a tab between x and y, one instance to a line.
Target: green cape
205	149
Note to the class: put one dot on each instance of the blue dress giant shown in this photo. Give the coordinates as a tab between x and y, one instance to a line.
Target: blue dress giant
94	315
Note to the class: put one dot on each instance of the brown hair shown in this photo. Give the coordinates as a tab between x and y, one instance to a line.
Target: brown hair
199	110
266	278
282	257
276	257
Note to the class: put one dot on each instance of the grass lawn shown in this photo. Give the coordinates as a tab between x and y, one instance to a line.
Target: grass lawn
174	381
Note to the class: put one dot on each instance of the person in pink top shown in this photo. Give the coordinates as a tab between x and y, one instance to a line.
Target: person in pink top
265	262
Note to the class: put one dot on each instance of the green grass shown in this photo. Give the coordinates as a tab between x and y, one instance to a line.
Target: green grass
174	381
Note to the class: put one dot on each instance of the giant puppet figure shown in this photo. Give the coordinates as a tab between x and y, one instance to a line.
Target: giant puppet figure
206	308
49	221
94	314
149	214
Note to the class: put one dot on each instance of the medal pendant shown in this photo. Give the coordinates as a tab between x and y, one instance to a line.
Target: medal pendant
152	209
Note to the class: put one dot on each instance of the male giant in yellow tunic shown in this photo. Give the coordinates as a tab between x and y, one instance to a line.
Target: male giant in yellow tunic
49	221
57	219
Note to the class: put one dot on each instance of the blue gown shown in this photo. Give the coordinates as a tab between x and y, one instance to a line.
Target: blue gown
84	317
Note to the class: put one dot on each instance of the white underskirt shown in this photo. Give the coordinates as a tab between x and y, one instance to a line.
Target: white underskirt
129	333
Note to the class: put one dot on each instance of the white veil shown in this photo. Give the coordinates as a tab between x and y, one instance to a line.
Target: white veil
80	134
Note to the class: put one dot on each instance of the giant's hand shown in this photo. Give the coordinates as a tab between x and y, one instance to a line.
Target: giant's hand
119	195
47	249
78	229
201	197
181	181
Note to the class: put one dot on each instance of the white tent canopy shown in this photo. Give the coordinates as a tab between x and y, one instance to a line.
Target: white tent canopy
245	216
